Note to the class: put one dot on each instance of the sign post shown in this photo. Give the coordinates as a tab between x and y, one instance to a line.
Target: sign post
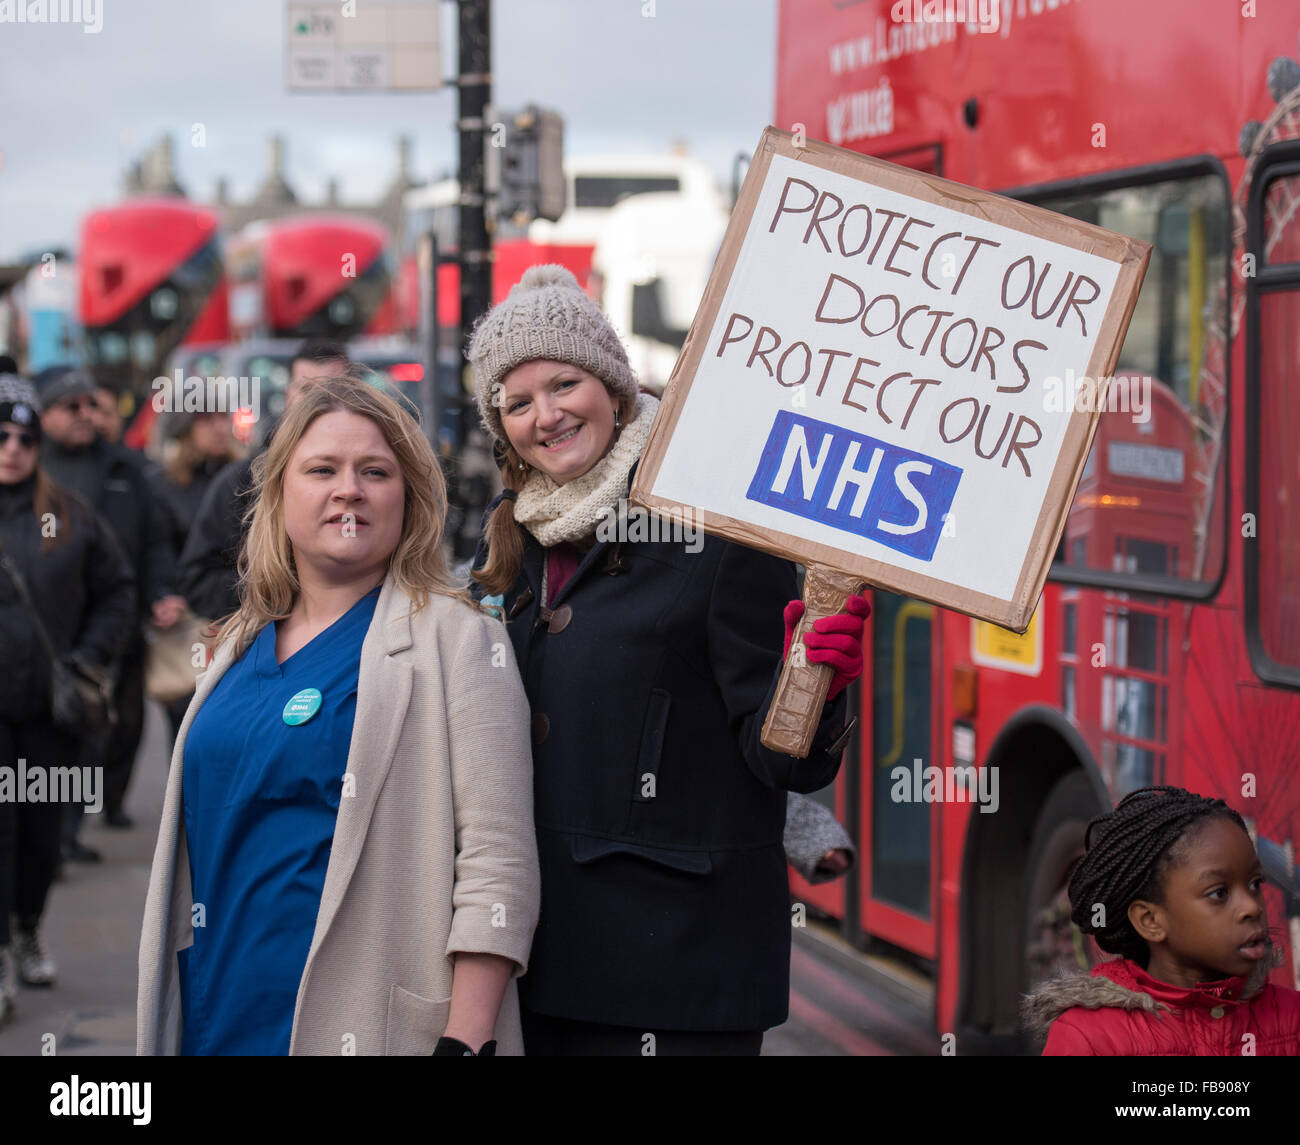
910	373
373	45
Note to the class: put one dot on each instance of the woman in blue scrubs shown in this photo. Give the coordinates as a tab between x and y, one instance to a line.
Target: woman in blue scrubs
346	862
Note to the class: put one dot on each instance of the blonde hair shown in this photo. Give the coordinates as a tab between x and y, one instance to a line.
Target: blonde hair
268	577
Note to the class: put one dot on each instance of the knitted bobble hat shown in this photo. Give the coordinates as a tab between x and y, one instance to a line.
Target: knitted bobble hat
19	404
546	315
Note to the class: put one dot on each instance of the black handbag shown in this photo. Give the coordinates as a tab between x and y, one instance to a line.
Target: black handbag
81	698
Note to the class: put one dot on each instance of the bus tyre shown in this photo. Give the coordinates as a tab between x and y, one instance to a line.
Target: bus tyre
1053	945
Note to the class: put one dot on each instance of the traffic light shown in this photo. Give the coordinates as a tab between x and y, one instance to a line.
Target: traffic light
525	165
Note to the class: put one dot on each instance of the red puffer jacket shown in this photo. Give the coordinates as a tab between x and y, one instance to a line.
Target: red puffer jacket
1122	1011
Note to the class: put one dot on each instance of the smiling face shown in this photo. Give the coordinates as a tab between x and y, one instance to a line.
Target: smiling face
1212	922
343	498
559	418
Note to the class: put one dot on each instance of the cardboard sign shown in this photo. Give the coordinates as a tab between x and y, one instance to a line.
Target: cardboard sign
874	378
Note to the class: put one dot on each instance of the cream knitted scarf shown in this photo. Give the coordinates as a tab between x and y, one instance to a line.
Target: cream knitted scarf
570	512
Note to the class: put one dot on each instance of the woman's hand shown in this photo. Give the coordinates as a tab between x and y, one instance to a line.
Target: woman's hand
834	640
835	863
167	610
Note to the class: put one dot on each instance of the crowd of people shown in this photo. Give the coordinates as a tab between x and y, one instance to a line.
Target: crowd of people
522	807
94	566
116	547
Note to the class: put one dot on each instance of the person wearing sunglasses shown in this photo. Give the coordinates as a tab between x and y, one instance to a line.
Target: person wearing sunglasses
61	571
126	489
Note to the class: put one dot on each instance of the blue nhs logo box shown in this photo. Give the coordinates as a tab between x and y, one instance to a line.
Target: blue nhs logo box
890	495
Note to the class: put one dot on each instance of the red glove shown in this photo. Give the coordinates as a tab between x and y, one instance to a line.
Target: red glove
834	640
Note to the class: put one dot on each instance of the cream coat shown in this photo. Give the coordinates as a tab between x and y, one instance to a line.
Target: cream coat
434	851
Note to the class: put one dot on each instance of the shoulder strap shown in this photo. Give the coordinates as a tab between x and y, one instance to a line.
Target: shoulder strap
20	583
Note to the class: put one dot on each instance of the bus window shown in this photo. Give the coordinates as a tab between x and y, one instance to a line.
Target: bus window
900	832
604	191
1133	555
206	365
1150	501
1277	532
1281	235
1134	706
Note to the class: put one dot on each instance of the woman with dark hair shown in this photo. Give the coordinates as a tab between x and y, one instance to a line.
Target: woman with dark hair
62	578
345	862
650	666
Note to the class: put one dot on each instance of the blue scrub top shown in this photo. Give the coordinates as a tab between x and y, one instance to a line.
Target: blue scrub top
261	799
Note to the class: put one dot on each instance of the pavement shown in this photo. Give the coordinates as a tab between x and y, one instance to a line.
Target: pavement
92	927
842	1003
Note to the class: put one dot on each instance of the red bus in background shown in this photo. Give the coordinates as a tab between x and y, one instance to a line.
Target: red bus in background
511	257
1166	647
151	279
322	276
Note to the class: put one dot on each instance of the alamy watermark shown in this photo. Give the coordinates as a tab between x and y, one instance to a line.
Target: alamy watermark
180	394
965	784
629	525
22	784
984	13
88	13
77	1098
1129	394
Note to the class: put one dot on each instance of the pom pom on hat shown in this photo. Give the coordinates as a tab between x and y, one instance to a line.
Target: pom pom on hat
546	274
546	315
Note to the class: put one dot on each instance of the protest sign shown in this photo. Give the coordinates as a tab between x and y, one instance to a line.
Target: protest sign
873	380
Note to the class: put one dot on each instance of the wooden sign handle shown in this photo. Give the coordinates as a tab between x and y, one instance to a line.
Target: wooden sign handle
801	691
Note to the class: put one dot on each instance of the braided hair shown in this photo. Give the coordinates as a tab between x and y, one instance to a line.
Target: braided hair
1135	847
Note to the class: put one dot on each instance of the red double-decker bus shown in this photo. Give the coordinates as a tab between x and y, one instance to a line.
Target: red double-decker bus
323	276
151	278
1166	647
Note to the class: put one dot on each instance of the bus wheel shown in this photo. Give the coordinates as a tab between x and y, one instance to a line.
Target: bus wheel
1053	945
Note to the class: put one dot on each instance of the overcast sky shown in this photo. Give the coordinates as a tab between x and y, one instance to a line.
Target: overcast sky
79	107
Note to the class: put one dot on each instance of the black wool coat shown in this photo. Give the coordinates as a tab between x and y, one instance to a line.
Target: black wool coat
131	501
665	897
83	590
209	574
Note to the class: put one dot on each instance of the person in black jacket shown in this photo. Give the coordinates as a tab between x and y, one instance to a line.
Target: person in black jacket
124	488
83	594
193	448
208	575
650	665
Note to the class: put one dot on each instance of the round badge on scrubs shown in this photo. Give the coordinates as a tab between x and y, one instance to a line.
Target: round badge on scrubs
302	707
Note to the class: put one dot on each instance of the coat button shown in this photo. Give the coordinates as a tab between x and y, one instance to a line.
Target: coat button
560	619
1218	1012
541	727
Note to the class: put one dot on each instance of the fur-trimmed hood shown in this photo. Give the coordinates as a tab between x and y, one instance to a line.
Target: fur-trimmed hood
1122	984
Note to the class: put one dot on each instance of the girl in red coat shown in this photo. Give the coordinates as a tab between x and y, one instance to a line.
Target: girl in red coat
1172	884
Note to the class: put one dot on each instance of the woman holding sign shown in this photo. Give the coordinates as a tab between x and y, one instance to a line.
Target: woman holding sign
346	862
649	657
